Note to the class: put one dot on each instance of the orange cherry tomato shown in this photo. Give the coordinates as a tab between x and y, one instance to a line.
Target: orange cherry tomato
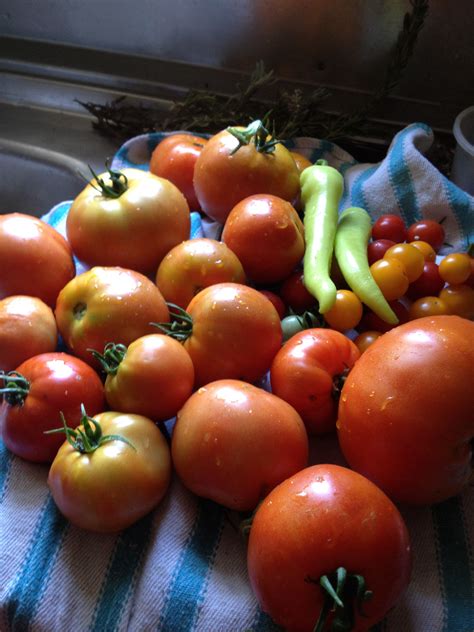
411	258
346	312
459	299
428	306
391	277
426	249
365	339
455	268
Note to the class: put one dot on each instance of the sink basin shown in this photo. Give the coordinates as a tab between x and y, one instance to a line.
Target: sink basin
33	179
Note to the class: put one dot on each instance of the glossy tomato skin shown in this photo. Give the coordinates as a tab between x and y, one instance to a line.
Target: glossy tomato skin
35	259
117	484
267	235
195	264
236	333
233	442
154	379
223	178
27	328
107	304
318	520
406	412
307	372
58	382
174	158
135	230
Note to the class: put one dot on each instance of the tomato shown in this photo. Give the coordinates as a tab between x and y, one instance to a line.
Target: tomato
294	293
119	481
427	230
411	258
226	173
133	229
346	312
276	301
267	235
34	258
426	249
308	372
107	304
54	383
391	277
429	283
195	264
372	322
470	280
301	161
459	299
406	412
365	339
427	306
455	268
153	377
174	158
376	249
390	227
233	442
27	328
322	519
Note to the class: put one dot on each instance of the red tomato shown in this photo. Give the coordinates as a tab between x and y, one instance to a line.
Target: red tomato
142	378
107	304
34	258
308	372
372	322
174	158
267	235
54	383
276	301
301	161
119	481
365	339
226	173
429	283
294	293
233	442
135	228
195	264
322	519
427	230
376	249
27	328
390	227
414	385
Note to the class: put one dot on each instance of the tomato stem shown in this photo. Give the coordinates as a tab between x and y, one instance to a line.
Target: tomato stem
118	186
264	140
111	358
16	388
181	325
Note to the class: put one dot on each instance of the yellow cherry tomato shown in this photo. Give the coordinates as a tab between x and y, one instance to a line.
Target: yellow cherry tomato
365	339
459	299
455	268
412	259
391	277
427	306
426	249
346	312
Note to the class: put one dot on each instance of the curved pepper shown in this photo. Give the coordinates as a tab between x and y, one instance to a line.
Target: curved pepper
352	237
321	191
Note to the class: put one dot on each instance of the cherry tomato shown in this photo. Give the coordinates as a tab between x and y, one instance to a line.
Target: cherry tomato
372	322
107	304
390	227
233	442
411	258
427	230
41	388
34	258
455	268
427	306
365	339
376	249
429	283
27	328
153	377
308	372
124	476
294	293
346	312
391	277
277	302
322	519
470	280
267	235
135	228
414	385
301	161
174	158
226	173
195	264
459	299
426	249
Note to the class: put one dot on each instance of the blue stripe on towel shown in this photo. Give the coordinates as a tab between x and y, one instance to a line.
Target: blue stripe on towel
263	623
29	585
6	460
454	566
462	205
189	582
402	181
357	196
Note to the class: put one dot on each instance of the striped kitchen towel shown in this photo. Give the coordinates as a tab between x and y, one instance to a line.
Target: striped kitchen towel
182	568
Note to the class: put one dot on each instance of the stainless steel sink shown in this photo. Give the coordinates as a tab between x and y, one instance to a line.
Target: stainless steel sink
33	179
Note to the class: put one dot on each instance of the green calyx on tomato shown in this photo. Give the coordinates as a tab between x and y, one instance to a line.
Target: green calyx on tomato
16	388
88	438
342	592
257	132
111	358
118	186
294	323
180	326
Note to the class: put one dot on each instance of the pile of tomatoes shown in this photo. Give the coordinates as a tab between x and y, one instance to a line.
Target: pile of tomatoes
162	326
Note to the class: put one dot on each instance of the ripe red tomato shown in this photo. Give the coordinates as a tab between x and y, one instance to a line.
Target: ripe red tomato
107	304
322	519
195	264
116	483
414	385
429	283
34	258
308	372
267	235
54	383
427	230
372	322
174	158
27	328
233	442
390	227
226	173
276	301
294	293
153	377
376	249
135	228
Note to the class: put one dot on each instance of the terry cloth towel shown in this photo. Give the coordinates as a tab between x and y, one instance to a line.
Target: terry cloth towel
182	568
